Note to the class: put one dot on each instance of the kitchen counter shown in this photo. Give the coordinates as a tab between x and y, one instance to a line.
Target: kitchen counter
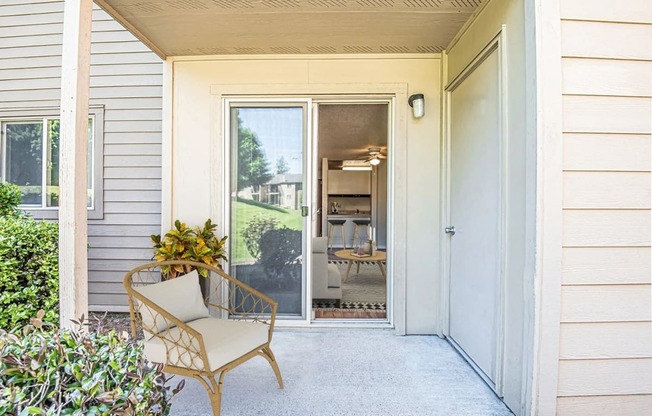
349	226
349	215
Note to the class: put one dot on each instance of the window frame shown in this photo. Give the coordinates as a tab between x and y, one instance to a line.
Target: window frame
96	211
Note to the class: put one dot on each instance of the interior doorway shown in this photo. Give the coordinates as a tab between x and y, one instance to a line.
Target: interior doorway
349	279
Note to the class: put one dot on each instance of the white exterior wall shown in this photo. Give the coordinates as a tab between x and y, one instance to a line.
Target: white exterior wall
520	184
126	80
605	352
197	138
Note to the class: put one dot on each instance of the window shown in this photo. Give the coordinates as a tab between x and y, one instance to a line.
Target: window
30	159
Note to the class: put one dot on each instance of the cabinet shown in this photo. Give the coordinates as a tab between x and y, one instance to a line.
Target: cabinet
347	182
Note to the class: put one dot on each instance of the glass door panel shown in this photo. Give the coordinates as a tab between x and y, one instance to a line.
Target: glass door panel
267	194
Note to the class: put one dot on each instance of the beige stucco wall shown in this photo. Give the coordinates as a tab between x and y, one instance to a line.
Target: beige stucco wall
197	143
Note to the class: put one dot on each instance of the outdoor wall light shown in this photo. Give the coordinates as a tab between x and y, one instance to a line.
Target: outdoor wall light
417	103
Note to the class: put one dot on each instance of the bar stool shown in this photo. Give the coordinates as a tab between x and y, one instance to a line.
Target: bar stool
356	230
356	234
332	224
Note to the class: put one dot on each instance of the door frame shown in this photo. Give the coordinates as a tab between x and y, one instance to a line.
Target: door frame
497	43
397	172
307	184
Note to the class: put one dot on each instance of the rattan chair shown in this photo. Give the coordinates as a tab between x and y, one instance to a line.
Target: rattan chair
200	332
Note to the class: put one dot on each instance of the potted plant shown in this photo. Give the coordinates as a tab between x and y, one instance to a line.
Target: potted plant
198	244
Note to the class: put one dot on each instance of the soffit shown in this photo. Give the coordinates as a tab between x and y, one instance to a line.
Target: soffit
209	27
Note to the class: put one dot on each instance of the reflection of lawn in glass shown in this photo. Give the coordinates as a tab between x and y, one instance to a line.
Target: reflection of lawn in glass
243	212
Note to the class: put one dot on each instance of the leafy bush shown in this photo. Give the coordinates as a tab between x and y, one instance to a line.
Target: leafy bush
256	227
9	199
280	253
29	270
185	243
73	372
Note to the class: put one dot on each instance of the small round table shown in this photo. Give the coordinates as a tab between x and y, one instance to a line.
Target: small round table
378	257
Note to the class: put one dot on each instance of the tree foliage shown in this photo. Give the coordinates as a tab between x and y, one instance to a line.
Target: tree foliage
253	167
282	166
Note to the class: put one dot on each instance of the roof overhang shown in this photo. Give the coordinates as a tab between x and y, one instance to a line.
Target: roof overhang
238	27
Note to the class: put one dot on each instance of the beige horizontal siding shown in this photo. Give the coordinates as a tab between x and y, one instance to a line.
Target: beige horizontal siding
605	347
590	39
605	340
607	190
611	228
606	265
605	377
606	303
605	405
126	81
601	114
607	77
627	11
608	152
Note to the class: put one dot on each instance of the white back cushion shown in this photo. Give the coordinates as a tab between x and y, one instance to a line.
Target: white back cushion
181	297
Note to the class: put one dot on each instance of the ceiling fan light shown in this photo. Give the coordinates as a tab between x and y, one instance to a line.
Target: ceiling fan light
375	161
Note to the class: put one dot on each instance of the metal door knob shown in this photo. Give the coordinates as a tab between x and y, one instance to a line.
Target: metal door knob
450	230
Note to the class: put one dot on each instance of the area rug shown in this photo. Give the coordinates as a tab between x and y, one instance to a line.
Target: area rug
335	313
362	291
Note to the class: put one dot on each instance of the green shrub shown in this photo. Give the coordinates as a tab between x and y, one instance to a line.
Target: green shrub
184	243
29	270
253	232
72	372
280	253
9	199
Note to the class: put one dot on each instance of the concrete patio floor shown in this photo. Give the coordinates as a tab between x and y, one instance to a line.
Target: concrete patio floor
350	372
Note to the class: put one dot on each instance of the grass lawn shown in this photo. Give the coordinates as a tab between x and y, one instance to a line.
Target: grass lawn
243	212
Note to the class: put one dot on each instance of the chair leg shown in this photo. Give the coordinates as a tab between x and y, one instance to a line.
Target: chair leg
216	395
269	356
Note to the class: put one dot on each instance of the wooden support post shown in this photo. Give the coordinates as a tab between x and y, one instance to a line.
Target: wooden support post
75	83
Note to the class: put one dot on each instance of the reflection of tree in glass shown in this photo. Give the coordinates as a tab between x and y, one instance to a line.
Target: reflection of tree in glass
25	152
53	162
24	159
253	167
282	166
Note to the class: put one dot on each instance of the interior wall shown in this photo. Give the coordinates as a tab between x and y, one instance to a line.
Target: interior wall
196	129
518	291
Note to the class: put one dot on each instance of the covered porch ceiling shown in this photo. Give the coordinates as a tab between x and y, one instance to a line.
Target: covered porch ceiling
241	27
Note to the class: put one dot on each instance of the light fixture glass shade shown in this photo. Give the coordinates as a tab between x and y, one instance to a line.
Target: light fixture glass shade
375	161
417	102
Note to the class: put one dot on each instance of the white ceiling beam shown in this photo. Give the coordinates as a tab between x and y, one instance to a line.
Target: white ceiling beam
73	168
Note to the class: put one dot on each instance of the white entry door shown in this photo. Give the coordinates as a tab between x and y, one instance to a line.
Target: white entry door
475	212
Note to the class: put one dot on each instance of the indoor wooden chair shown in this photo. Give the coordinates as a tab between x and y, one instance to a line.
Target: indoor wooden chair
200	326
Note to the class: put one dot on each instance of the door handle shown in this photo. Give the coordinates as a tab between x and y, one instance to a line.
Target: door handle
450	230
305	211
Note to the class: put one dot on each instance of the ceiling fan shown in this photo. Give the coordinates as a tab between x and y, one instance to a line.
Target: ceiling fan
375	156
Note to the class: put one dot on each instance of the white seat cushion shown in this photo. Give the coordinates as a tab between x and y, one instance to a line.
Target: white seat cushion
180	297
225	341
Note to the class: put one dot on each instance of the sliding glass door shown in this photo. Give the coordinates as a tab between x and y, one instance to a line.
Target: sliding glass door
269	197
